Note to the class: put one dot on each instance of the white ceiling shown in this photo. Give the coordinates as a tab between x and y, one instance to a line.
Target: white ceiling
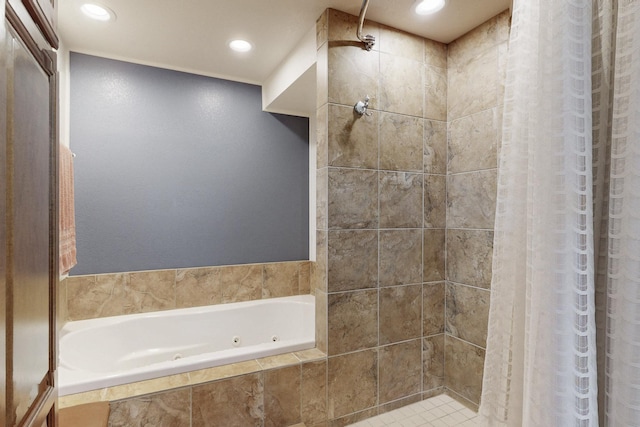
192	35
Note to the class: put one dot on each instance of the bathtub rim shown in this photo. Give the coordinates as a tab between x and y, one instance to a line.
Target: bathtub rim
97	381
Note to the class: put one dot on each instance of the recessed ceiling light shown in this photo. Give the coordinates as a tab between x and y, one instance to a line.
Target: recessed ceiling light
240	45
427	7
98	12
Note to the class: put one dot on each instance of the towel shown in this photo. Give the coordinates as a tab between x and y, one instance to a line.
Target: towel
67	211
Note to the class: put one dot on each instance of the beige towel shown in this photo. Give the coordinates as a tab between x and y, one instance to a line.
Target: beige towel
67	211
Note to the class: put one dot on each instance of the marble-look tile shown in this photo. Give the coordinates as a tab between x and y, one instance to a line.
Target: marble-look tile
435	147
474	43
400	370
353	418
280	279
400	43
171	409
401	82
503	26
474	87
434	255
310	355
469	257
353	383
225	371
322	320
435	53
400	199
471	199
150	291
197	287
89	297
353	260
433	359
282	396
433	297
240	282
462	400
467	313
400	403
401	142
81	398
322	198
435	201
146	387
322	75
322	136
400	257
353	199
353	321
353	74
343	27
472	142
353	139
322	28
313	392
304	277
400	313
319	267
464	364
433	393
236	402
278	361
435	93
217	285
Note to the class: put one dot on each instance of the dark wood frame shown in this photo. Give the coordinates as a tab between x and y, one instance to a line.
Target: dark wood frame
44	19
44	407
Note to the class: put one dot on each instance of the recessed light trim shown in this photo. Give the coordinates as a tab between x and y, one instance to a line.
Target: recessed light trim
98	12
427	7
240	45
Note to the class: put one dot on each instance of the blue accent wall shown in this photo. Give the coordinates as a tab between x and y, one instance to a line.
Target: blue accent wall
177	170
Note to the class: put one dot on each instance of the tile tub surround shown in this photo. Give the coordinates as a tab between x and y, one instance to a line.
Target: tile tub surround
113	294
282	390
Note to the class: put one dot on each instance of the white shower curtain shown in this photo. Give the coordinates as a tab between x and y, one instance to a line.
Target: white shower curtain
569	180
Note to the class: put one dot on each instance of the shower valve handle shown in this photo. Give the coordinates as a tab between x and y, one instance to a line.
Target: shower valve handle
362	106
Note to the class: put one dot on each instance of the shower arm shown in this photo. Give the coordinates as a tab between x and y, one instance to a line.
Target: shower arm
368	40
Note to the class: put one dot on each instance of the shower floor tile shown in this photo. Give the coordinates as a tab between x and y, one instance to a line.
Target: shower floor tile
438	411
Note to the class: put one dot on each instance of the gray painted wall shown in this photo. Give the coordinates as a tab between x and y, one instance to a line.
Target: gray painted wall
178	170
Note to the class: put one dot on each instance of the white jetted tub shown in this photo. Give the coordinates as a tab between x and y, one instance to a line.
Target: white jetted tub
111	351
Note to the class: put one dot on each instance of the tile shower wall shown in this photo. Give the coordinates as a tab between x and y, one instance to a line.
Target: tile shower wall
114	294
476	66
381	217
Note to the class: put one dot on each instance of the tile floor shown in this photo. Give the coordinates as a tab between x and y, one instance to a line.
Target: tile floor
438	411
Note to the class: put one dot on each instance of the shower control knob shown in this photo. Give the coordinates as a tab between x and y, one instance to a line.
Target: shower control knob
362	106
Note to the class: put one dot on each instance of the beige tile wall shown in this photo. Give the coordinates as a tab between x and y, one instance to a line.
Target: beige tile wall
381	201
406	202
113	294
476	66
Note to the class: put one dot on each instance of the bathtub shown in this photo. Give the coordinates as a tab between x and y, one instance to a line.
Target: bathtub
111	351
